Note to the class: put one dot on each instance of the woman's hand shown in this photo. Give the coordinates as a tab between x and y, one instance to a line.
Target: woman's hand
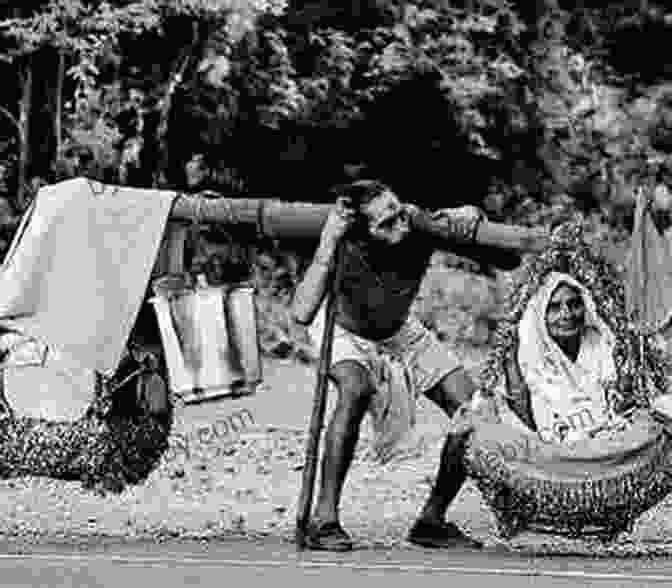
621	400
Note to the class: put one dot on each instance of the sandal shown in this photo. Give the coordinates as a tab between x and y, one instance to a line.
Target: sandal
328	536
440	535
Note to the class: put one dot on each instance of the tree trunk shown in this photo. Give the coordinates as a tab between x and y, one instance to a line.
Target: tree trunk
25	107
162	129
12	119
58	107
550	86
183	60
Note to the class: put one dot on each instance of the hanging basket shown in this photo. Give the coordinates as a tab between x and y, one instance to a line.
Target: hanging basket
575	501
118	440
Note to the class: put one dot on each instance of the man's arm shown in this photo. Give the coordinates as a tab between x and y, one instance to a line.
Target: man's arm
468	225
310	293
466	232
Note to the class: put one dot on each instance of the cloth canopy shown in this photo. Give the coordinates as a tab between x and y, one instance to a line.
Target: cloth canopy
77	270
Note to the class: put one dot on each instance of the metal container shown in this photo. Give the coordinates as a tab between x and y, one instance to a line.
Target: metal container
194	332
242	321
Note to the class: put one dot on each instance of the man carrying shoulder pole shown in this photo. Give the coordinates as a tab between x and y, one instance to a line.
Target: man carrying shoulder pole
382	356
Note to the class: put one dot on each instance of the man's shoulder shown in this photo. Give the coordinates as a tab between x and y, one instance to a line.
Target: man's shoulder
422	241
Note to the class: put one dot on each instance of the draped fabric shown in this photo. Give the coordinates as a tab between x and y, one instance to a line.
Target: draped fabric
77	271
401	367
648	281
565	395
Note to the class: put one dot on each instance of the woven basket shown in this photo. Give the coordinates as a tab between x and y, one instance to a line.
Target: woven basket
118	441
526	496
529	497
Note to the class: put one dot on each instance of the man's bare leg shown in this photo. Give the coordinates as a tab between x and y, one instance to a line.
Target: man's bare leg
430	529
354	395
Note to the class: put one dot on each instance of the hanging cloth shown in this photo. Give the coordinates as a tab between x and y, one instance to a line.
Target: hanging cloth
648	281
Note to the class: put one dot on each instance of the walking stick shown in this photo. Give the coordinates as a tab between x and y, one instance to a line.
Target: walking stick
319	408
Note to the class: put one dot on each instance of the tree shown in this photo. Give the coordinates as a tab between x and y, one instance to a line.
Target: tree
86	38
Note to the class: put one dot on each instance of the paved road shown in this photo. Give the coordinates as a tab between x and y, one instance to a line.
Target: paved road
248	564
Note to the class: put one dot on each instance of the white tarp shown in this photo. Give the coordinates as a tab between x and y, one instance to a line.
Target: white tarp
74	280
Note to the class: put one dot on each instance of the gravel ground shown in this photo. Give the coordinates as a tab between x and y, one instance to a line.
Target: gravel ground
248	486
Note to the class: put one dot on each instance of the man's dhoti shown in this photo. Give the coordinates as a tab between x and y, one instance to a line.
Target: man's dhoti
401	367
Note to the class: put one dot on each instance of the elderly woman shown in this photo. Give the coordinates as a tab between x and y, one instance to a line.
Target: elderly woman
565	359
566	446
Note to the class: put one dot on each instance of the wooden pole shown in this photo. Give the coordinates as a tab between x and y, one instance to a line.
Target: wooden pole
495	242
319	408
58	107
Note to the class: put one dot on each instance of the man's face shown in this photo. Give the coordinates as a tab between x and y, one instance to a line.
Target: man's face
566	313
196	171
388	219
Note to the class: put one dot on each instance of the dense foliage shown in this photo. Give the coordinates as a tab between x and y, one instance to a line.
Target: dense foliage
533	110
526	108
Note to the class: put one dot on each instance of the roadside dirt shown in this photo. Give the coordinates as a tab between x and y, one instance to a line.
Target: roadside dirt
234	469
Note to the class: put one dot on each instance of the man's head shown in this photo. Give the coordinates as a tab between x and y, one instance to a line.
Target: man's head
383	217
565	313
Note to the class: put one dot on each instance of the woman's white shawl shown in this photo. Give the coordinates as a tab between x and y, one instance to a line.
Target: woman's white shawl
564	395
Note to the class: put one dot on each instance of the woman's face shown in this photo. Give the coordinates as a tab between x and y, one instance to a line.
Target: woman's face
566	313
